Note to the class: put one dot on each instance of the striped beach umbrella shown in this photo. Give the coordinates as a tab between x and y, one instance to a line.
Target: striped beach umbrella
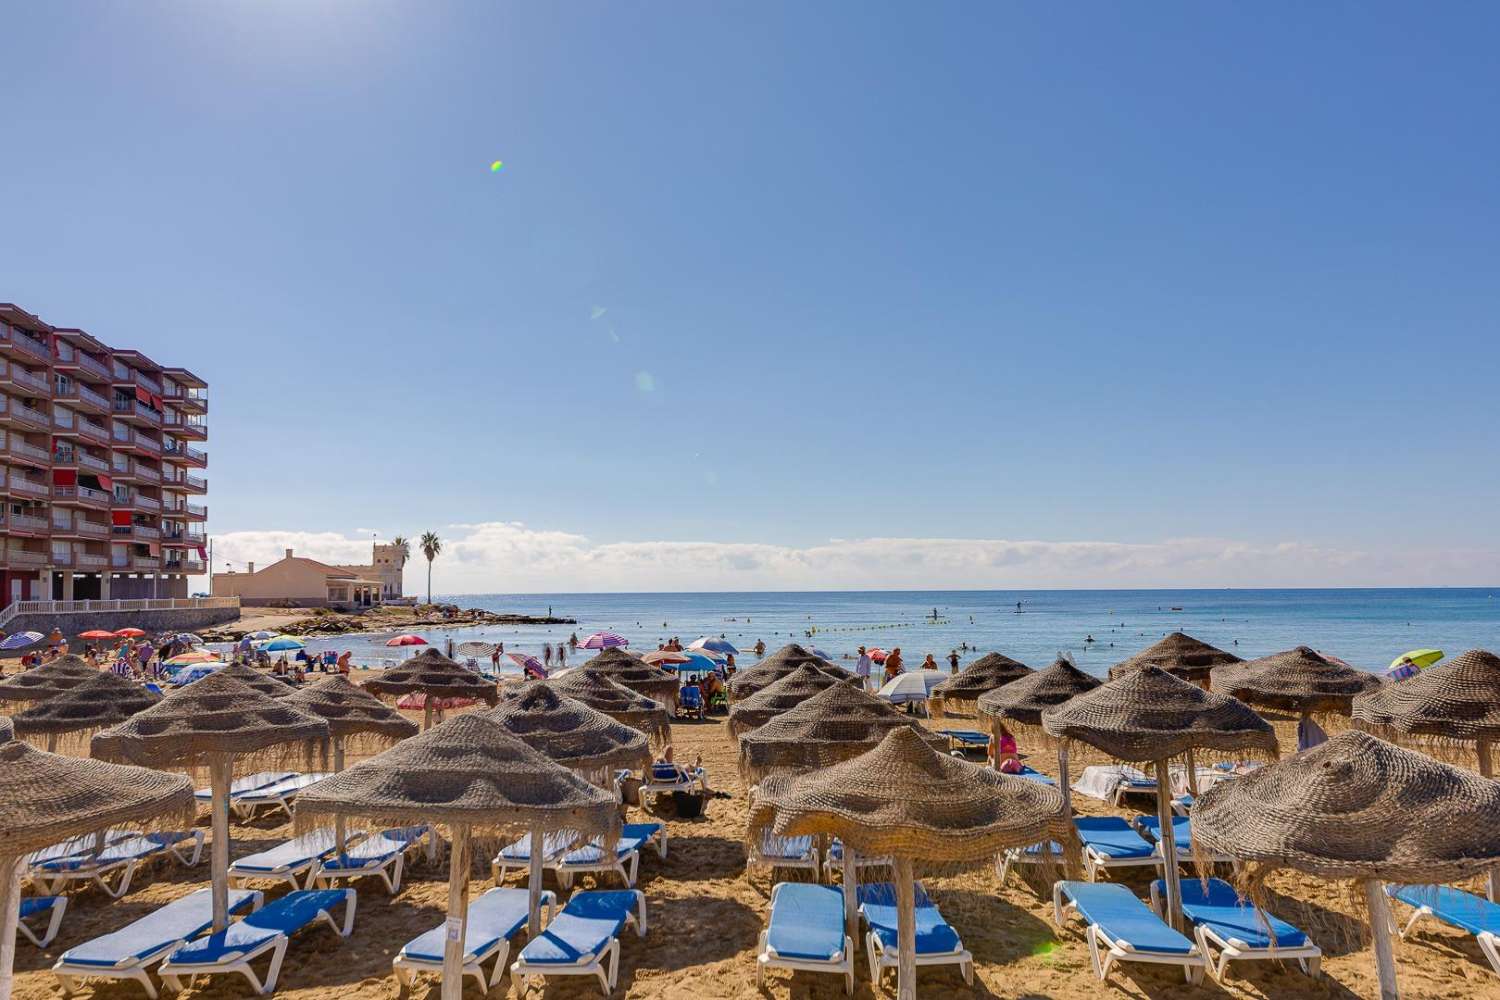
604	640
715	645
20	640
406	640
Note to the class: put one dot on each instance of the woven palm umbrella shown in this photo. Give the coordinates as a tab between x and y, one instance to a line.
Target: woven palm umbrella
41	683
638	675
1148	715
571	733
218	724
433	675
772	668
779	696
356	720
963	689
1355	808
1301	681
250	677
1021	704
7	729
102	701
909	802
618	702
474	777
49	798
1179	654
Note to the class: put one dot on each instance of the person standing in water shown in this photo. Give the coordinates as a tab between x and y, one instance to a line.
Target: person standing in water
953	661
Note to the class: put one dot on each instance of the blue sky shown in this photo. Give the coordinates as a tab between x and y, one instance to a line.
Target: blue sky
766	275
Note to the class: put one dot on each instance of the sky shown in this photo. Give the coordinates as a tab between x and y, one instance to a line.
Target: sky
787	295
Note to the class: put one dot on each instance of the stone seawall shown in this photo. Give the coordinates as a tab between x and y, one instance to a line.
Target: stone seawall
153	622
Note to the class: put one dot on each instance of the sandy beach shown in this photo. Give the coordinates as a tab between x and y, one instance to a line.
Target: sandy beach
705	915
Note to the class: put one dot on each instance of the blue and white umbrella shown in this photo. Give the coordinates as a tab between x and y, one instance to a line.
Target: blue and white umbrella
914	685
263	634
21	640
282	642
187	675
697	663
814	650
710	644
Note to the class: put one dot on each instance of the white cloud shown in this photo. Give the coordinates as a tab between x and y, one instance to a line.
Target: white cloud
501	556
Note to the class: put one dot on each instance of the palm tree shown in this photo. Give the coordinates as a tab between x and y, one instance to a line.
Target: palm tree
403	548
432	547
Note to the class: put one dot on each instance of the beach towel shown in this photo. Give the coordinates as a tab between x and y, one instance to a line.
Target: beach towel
1101	781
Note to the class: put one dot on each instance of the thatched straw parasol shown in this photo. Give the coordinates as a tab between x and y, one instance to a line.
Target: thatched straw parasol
41	683
570	733
1355	808
249	676
989	672
218	723
1440	710
638	675
771	669
102	701
1149	715
432	674
1301	681
618	702
49	798
909	802
782	695
472	776
1020	704
1179	654
7	730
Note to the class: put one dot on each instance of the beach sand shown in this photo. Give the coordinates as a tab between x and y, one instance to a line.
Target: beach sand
705	916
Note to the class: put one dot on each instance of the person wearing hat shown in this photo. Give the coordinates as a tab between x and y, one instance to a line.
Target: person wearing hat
862	667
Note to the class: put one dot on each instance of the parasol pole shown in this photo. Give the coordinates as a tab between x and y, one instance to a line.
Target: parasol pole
1192	774
219	767
426	712
534	886
1168	844
10	916
906	930
52	743
456	927
1487	769
851	884
338	819
1062	780
1380	931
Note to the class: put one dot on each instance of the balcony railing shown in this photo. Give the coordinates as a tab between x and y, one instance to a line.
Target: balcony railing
146	531
136	407
119	561
62	519
87	395
62	417
96	528
30	415
93	431
39	383
149	444
92	365
121	464
194	455
25	557
34	487
120	433
25	522
146	472
27	342
188	567
149	503
85	493
91	559
197	510
195	483
144	562
22	448
92	462
62	557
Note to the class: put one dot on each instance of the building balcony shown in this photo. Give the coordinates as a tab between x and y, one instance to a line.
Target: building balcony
25	344
147	473
92	365
62	521
25	382
143	443
146	531
195	485
187	567
29	415
85	496
62	557
21	448
149	563
25	557
28	524
90	560
195	512
64	422
193	430
90	431
90	400
143	502
136	412
21	485
93	529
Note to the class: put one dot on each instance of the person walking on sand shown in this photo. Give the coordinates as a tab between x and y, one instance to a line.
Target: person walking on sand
862	667
953	661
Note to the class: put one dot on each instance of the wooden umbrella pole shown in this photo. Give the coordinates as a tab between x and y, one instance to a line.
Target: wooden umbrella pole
851	902
994	748
10	916
906	930
1062	780
1487	769
426	712
458	914
219	768
534	887
1168	843
52	743
338	754
1192	774
338	820
1380	932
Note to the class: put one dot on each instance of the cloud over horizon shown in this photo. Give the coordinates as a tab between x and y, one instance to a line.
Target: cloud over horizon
509	557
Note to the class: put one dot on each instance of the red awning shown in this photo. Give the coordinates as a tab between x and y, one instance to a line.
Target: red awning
156	402
64	477
120	517
142	395
201	553
153	548
105	483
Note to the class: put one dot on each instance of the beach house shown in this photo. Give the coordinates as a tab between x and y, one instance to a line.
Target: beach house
296	581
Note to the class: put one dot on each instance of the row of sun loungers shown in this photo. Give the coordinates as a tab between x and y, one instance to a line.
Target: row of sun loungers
563	855
274	789
120	859
314	858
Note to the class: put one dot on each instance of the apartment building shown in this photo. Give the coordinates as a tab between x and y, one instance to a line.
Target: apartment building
101	468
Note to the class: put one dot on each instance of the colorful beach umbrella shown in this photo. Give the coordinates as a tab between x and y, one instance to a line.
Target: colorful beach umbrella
96	633
529	664
604	640
696	662
877	654
20	640
666	657
282	642
129	633
716	645
264	633
1409	664
193	658
406	640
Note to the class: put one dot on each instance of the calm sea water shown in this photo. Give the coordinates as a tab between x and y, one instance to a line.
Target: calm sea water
1367	628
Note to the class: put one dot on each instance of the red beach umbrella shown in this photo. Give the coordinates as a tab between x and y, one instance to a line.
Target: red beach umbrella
406	640
659	656
96	633
877	654
127	633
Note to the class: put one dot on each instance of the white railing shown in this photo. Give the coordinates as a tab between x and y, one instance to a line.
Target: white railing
25	557
29	379
89	428
197	509
62	557
20	447
150	503
31	345
62	417
97	367
194	455
120	432
86	527
92	461
36	487
147	443
28	523
146	472
62	519
146	531
89	395
31	415
90	559
145	562
195	483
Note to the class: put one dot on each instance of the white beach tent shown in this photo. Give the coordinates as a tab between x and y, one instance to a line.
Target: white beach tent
914	685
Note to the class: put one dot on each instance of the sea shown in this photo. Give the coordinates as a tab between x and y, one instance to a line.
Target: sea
1096	628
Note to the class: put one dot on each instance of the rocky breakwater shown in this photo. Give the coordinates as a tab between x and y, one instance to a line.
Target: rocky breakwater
323	621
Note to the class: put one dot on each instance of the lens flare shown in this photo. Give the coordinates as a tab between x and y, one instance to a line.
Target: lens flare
495	167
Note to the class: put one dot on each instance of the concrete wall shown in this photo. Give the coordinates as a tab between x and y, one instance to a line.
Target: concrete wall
180	620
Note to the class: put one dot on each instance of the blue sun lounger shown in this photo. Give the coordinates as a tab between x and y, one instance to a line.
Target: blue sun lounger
284	862
834	860
278	795
494	919
624	861
74	848
937	942
1049	853
268	929
1182	834
1221	918
1456	908
384	854
1121	928
785	852
249	783
122	856
806	932
517	856
128	952
53	907
582	940
1110	842
966	741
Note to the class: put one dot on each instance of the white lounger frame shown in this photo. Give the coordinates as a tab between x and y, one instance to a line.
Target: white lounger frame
1309	956
627	867
407	969
501	866
809	860
1192	964
832	865
54	923
173	975
132	968
1489	944
605	964
389	868
842	962
290	872
52	882
696	778
1007	861
881	959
